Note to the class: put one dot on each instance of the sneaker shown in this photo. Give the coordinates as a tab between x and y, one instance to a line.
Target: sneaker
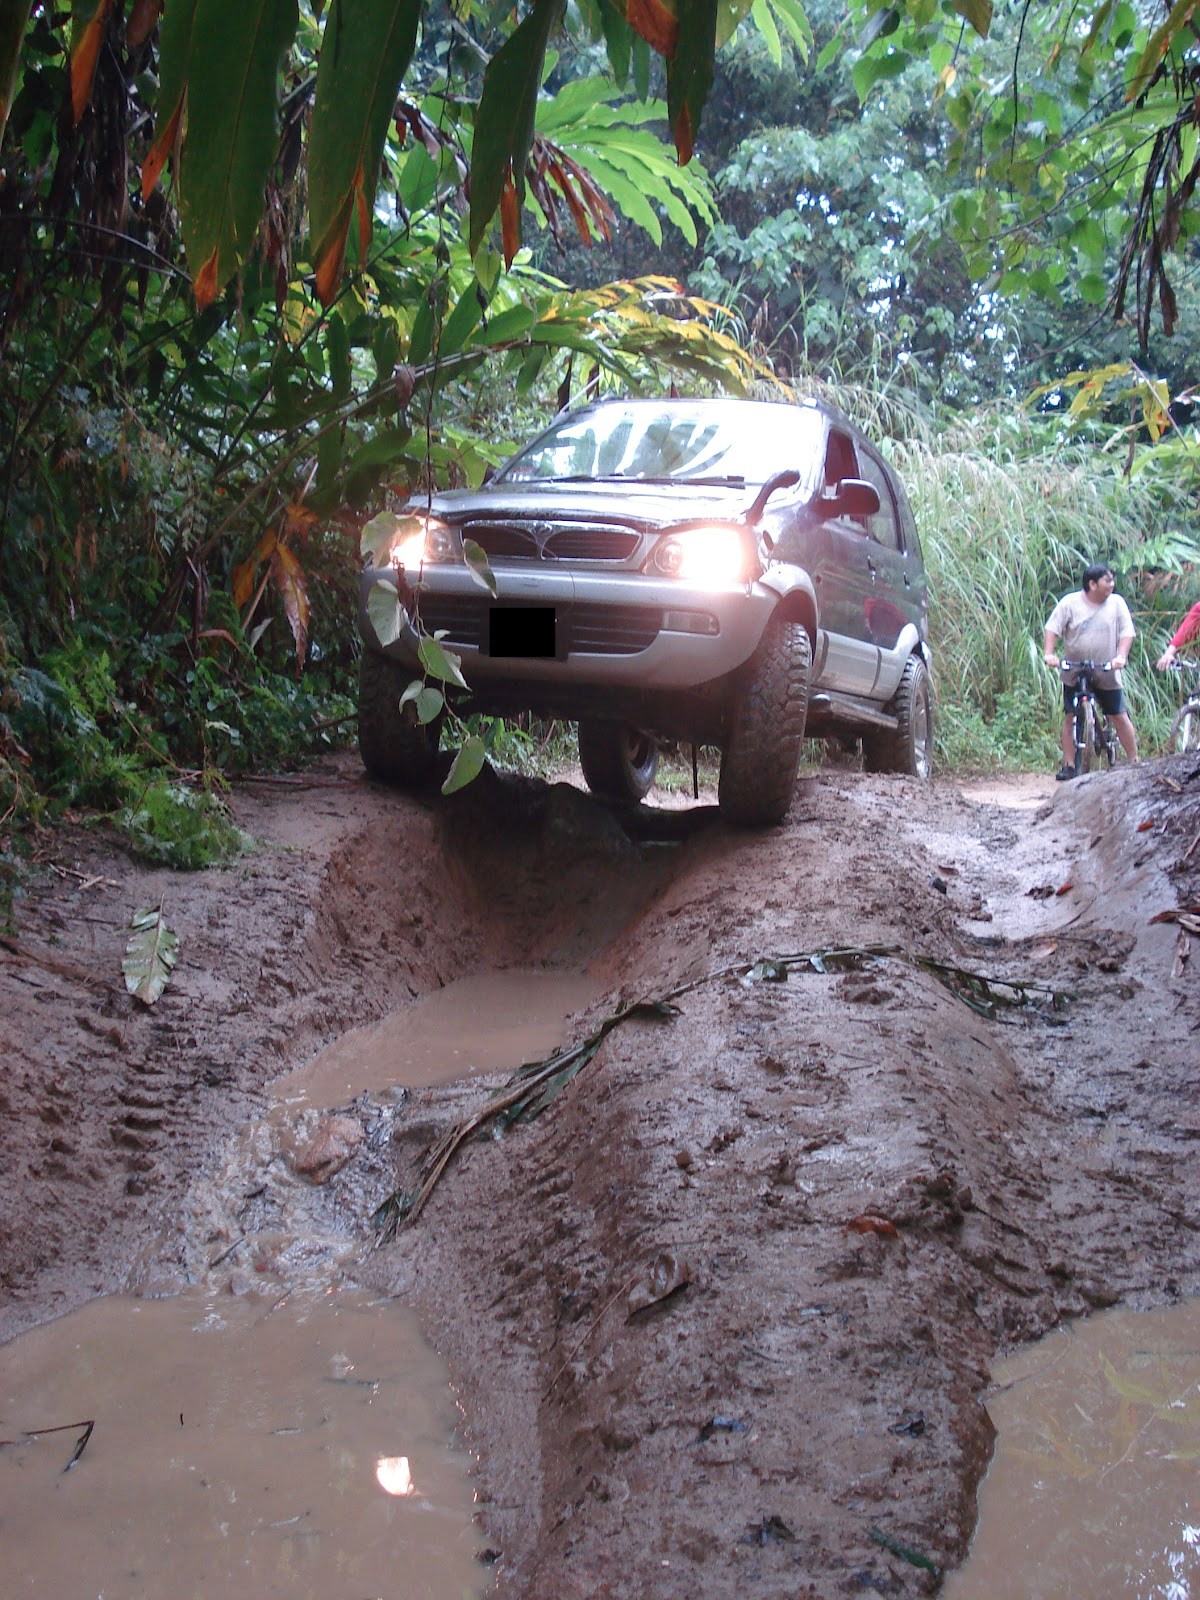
1064	774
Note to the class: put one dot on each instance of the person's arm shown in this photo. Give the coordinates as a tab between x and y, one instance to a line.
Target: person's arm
1050	648
1124	646
1188	628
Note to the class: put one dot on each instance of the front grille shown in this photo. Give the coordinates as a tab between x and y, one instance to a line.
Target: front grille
613	630
592	544
591	628
463	617
510	541
499	539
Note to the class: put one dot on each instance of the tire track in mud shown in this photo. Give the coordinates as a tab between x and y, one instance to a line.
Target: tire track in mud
805	1386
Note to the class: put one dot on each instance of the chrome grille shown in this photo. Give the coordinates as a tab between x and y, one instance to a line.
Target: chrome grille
592	544
511	541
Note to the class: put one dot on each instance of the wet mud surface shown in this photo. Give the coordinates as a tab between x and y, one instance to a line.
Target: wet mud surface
721	1318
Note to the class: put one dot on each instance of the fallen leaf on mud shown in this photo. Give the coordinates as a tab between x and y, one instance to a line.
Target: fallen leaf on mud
868	1222
1144	827
1064	888
950	871
1183	949
768	970
1041	951
904	1551
1040	891
665	1276
333	1144
150	955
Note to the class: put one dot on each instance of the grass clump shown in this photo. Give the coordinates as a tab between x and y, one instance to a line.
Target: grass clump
186	829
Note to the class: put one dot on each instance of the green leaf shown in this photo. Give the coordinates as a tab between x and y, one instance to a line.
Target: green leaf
477	564
429	704
381	533
468	764
690	71
504	123
384	611
337	345
12	32
461	323
365	53
441	663
174	55
388	445
507	326
150	955
765	23
231	138
978	13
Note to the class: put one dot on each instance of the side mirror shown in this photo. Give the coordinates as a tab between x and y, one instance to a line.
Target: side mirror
851	497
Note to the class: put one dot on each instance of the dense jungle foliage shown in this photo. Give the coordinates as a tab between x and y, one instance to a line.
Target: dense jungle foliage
227	339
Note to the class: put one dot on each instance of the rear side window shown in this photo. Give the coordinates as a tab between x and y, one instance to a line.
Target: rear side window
884	526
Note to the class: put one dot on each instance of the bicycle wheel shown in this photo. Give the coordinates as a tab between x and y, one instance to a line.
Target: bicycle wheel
1085	733
1185	730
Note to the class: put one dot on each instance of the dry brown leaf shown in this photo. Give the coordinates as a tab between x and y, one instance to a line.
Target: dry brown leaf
868	1222
1144	827
1064	888
1183	951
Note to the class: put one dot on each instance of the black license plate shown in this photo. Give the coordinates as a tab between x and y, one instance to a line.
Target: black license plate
527	631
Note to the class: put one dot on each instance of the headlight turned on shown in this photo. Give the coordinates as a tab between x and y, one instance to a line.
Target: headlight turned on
710	556
425	540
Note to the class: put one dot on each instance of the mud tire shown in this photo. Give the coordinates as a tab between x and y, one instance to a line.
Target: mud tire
908	747
766	733
394	746
1085	736
619	762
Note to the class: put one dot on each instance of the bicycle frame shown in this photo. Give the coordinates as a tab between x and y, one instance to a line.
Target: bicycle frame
1093	732
1185	730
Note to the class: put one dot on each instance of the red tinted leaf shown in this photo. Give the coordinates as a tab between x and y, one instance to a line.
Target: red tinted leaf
206	283
1144	827
156	160
510	220
85	52
681	132
1064	888
244	572
868	1222
142	18
657	24
289	579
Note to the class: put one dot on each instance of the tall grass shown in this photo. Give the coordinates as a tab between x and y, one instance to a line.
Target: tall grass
1009	515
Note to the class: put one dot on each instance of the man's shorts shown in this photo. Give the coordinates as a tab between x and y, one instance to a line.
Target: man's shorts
1111	701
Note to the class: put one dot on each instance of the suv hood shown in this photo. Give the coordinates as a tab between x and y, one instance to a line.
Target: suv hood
645	506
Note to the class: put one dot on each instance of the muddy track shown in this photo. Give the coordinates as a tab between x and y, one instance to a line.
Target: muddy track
721	1318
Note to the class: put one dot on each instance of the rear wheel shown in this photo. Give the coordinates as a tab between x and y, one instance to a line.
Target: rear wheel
394	746
762	753
619	762
908	747
1185	730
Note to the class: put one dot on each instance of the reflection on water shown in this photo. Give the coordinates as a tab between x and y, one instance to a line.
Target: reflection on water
488	1023
1093	1490
241	1448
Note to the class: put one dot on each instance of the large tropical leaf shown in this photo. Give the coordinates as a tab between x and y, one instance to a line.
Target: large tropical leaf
174	52
504	126
231	140
13	18
365	54
690	71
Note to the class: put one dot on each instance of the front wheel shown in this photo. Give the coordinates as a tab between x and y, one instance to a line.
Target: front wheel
1185	730
766	729
619	763
1085	734
394	746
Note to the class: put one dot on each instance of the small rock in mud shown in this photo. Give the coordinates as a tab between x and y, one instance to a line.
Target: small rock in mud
333	1143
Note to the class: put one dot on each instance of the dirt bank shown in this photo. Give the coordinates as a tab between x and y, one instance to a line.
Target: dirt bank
722	1316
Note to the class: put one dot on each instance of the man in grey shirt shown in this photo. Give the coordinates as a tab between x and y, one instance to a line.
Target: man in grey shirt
1094	624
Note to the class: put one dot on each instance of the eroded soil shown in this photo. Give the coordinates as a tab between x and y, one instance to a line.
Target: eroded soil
721	1317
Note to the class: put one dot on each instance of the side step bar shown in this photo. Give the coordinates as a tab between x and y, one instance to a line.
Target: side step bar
828	707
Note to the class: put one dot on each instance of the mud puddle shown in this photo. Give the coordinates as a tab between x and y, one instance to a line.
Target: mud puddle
1092	1489
490	1022
240	1446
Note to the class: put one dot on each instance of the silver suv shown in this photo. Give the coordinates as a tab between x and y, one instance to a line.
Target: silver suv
736	573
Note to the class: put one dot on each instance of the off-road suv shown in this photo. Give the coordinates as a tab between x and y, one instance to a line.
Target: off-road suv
733	573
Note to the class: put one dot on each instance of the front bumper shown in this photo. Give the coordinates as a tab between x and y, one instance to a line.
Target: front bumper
629	631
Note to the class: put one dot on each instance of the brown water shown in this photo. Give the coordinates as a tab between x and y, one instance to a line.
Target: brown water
1093	1491
488	1023
240	1449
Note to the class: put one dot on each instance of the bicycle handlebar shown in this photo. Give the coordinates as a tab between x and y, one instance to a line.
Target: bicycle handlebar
1086	666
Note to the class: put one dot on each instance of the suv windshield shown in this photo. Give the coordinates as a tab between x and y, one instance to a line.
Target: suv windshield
735	444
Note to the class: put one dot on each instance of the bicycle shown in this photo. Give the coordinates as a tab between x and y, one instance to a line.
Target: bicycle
1094	734
1185	730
